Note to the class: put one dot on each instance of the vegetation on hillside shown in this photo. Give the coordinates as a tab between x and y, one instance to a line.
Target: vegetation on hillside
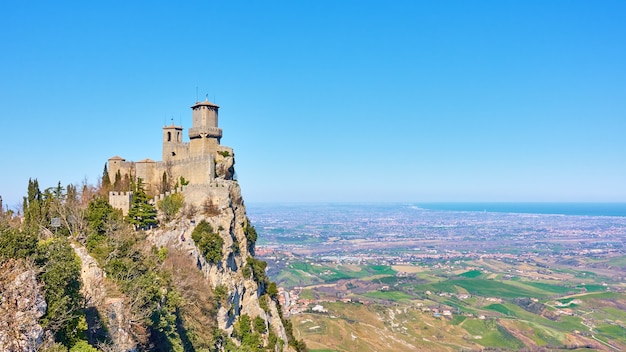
141	213
171	205
208	241
170	305
56	265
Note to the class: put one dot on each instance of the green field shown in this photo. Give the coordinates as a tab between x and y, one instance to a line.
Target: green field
489	308
388	295
471	274
490	334
305	273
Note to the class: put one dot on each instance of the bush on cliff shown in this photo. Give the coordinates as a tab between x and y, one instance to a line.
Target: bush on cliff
209	242
171	204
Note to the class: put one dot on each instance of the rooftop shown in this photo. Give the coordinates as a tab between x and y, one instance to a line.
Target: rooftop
204	103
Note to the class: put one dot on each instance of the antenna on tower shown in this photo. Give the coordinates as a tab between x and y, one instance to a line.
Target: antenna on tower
196	93
207	96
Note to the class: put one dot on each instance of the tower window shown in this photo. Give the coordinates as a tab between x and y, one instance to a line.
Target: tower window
169	136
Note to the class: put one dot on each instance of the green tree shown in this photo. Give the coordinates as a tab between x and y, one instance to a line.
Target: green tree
33	216
117	184
105	185
141	213
165	184
101	216
60	273
15	243
171	204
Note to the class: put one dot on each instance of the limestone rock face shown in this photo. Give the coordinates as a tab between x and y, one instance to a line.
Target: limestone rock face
96	300
224	165
21	305
91	276
227	216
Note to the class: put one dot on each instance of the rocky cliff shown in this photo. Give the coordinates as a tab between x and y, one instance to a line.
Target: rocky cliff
224	300
21	305
222	207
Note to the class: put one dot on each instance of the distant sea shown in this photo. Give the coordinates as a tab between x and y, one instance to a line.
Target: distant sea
589	209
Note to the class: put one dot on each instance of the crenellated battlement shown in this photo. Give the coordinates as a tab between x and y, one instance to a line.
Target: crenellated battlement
120	194
158	197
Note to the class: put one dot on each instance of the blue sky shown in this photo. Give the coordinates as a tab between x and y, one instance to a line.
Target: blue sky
410	101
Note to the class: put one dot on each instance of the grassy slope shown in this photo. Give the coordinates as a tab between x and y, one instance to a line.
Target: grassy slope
507	326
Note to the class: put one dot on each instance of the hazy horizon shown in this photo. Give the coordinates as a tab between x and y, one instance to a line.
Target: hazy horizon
336	102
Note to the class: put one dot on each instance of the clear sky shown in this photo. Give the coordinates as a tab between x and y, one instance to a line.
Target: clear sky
412	101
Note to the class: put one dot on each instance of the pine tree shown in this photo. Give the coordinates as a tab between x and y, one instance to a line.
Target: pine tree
32	206
141	213
106	181
165	186
117	185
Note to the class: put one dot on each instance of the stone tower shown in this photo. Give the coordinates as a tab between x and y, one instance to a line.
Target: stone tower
173	146
204	135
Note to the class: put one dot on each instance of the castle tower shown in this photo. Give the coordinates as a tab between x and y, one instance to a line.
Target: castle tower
204	135
173	147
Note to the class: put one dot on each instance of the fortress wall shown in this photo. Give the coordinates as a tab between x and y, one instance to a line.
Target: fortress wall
195	170
124	167
148	173
162	196
121	200
197	195
175	151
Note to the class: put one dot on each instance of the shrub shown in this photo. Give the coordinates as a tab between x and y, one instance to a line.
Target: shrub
83	346
272	290
171	204
263	303
257	268
251	236
209	208
259	325
221	293
209	242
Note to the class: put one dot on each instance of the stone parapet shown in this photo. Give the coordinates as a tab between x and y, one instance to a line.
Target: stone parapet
162	196
198	132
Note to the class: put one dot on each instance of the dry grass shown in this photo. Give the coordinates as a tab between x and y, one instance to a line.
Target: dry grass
199	308
209	208
411	269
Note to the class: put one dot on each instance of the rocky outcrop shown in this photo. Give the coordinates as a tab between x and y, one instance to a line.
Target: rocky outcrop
227	216
224	164
106	316
21	305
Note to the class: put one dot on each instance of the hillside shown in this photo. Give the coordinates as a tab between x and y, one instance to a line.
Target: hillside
453	306
92	281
